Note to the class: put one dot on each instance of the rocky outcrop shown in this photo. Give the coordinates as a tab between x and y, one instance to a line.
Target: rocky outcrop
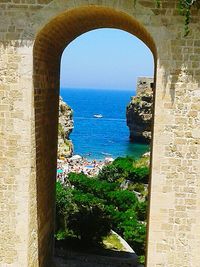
139	112
65	127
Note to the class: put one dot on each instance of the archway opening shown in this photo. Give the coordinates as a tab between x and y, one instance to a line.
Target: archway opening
49	45
99	73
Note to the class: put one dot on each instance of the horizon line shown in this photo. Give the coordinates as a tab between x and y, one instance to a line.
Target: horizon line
105	89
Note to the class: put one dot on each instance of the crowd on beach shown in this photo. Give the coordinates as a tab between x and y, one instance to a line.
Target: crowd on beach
78	164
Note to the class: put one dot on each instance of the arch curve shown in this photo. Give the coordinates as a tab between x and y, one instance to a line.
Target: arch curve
68	25
49	44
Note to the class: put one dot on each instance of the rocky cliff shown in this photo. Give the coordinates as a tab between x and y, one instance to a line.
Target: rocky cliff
65	127
139	111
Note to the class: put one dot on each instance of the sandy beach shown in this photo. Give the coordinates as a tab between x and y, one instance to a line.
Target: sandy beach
78	164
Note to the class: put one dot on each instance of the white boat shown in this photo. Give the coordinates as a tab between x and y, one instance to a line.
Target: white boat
98	116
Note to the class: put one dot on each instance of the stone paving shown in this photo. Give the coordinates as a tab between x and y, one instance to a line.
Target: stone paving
89	260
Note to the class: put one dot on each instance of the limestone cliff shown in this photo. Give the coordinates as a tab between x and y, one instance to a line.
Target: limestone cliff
65	127
139	111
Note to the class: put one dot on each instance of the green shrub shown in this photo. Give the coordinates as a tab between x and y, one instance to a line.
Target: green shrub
139	174
111	173
125	169
124	164
90	224
141	210
90	207
91	185
122	199
135	234
80	214
64	206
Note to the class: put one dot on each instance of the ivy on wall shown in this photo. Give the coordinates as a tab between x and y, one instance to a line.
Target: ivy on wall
184	8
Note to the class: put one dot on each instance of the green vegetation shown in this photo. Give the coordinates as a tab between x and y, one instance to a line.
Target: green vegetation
123	169
112	242
184	9
88	208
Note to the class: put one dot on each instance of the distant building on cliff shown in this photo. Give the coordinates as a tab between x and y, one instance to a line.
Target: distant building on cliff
139	111
144	84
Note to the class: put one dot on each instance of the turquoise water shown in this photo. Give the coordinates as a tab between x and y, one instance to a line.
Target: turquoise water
108	136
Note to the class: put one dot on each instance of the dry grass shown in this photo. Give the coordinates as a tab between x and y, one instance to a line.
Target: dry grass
112	242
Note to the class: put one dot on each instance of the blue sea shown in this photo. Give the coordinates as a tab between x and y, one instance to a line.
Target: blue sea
97	138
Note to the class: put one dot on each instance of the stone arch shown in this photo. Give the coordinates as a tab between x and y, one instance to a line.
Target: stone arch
48	47
175	187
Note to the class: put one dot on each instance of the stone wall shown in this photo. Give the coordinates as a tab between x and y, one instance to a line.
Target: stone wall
33	34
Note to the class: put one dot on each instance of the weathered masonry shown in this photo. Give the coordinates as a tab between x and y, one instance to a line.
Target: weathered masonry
33	34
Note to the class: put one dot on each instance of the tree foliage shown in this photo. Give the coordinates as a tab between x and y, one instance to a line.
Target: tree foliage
80	214
88	208
125	169
90	223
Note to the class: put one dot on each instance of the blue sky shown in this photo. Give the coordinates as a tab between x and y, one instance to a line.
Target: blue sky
105	59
